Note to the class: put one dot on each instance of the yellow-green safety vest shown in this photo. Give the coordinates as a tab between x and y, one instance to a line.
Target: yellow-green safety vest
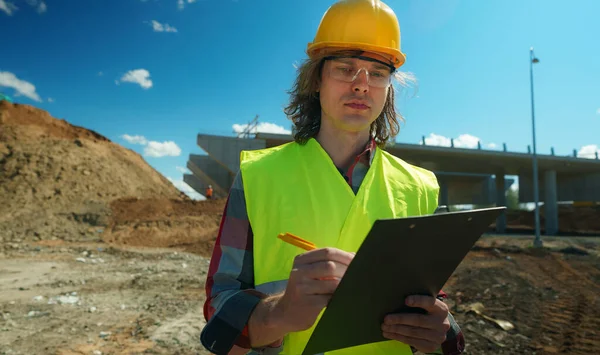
296	188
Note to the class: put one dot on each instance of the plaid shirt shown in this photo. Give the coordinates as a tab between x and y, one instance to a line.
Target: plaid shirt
230	297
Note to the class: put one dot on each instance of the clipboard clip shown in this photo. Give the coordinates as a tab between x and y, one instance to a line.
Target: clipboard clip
442	209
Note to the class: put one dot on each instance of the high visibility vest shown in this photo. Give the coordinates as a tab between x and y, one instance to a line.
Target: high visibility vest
297	189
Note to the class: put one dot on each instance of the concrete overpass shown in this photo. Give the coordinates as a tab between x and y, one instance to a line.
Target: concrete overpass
466	176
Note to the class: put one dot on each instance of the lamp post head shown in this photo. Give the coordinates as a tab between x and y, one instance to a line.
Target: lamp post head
533	58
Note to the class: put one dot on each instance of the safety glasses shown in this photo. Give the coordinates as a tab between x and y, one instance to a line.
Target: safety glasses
343	68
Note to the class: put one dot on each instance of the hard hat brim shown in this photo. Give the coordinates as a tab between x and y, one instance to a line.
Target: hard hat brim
398	58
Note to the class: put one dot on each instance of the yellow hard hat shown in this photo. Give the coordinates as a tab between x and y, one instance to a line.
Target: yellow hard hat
368	25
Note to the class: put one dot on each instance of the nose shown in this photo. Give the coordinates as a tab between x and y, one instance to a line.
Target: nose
361	81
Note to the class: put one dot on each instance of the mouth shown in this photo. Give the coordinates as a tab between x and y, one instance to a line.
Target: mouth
357	105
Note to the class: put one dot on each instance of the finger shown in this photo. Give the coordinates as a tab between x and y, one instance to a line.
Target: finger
425	321
324	254
428	303
423	346
437	336
323	269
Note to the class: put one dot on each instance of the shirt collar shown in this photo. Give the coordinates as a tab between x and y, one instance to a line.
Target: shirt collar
367	155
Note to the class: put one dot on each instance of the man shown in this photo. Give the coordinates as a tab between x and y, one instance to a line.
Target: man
328	186
209	192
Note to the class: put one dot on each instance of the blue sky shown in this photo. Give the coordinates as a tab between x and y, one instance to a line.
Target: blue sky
166	70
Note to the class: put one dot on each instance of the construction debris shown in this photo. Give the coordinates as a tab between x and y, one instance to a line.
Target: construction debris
478	309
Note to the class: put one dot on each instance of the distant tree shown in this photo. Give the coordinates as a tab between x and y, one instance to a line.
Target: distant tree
512	199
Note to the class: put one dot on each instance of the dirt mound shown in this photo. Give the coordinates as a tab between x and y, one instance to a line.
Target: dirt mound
571	220
192	225
57	180
128	210
40	124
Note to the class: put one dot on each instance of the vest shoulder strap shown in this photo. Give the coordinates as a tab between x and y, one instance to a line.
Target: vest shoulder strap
419	175
425	180
264	156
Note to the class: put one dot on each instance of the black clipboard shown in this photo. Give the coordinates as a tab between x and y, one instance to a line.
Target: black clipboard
420	253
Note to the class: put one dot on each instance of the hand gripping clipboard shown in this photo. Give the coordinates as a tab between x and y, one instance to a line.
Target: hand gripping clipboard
398	258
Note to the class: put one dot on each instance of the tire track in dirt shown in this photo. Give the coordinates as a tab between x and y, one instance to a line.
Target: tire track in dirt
571	320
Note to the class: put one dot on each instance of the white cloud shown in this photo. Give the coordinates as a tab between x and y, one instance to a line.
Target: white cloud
50	99
100	73
185	188
589	151
42	7
159	27
22	87
463	141
183	170
162	149
435	139
264	127
7	7
466	141
138	76
153	148
598	111
135	139
39	5
181	3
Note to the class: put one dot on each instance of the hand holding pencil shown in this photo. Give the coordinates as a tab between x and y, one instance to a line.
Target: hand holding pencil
313	279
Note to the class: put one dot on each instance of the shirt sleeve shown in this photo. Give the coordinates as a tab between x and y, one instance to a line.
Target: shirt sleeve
455	341
230	293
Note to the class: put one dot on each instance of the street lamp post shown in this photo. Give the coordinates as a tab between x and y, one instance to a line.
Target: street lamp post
538	240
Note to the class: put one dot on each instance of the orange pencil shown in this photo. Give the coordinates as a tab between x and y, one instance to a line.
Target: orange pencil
301	243
297	241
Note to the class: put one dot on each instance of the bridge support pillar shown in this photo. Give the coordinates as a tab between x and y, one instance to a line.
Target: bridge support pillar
443	201
550	203
500	201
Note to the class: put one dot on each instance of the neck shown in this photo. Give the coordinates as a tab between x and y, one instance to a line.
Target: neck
342	146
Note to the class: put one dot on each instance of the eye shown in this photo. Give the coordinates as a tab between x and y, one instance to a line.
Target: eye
344	69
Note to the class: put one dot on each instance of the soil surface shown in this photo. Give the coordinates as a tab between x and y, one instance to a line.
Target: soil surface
89	298
550	295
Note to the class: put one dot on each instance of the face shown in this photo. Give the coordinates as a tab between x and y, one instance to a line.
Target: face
352	106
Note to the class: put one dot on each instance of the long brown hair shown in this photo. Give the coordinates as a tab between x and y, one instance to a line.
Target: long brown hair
304	108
